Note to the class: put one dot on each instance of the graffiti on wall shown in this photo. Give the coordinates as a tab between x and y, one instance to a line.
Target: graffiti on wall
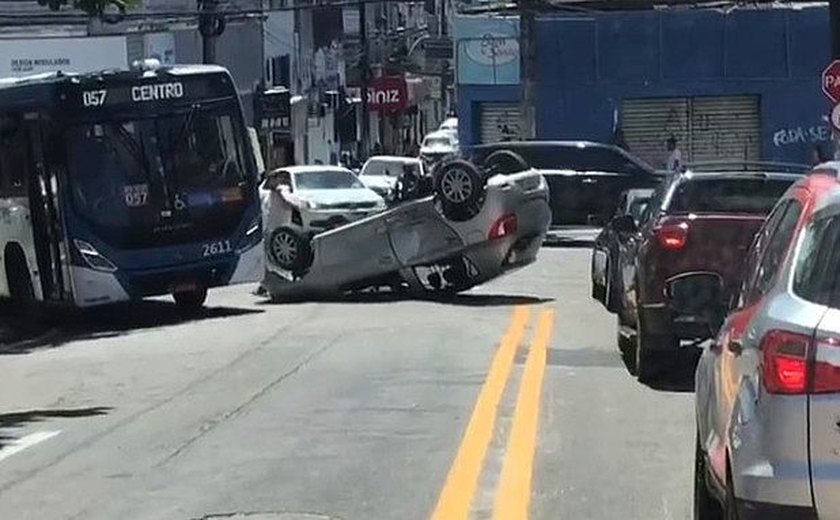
801	135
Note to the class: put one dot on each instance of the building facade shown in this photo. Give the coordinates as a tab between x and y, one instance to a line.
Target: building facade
738	83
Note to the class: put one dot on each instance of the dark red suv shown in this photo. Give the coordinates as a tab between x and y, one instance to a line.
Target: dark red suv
692	240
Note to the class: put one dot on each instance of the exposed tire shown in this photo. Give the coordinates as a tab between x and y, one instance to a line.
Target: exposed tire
505	162
289	250
460	188
706	506
654	352
627	347
191	300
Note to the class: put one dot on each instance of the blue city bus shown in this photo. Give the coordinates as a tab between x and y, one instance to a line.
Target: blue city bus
119	185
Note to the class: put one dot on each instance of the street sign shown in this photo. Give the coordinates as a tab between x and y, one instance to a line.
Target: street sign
831	81
835	117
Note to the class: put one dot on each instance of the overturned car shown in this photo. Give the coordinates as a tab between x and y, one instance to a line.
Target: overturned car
464	227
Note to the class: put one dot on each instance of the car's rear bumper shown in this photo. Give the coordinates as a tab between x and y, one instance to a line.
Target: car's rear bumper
661	320
749	510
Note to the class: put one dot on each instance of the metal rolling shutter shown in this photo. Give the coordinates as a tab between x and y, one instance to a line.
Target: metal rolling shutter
725	128
499	122
648	123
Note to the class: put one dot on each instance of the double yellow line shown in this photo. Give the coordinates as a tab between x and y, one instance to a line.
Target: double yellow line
514	489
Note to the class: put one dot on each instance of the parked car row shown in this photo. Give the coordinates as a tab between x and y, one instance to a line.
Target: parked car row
746	262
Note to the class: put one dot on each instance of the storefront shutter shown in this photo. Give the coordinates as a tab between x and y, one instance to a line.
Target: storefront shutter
713	128
725	128
499	122
648	123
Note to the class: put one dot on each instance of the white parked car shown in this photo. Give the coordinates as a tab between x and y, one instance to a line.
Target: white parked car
437	146
315	198
382	172
450	125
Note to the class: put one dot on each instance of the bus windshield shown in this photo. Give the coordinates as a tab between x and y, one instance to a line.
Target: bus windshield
147	181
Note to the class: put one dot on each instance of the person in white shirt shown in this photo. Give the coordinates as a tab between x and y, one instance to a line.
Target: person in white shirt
675	161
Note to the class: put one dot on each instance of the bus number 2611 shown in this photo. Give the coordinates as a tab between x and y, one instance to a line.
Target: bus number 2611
216	248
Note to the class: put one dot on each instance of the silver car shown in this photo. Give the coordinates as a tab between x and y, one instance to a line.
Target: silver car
477	225
768	385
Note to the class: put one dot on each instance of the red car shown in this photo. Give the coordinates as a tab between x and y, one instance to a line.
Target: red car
692	240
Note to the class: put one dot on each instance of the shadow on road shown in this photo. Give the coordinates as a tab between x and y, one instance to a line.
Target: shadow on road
64	325
460	300
20	419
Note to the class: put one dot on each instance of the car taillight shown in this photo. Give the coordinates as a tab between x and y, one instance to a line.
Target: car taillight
672	236
827	366
503	227
786	369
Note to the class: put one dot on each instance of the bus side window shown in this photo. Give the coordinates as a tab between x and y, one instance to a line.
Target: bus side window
15	160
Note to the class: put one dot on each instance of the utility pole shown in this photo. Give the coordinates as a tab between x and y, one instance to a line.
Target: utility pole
364	65
527	69
210	25
834	23
444	64
834	17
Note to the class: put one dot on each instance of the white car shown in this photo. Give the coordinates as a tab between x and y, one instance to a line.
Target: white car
316	198
438	145
381	173
450	125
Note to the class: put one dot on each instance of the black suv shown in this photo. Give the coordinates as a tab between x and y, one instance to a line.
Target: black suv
585	179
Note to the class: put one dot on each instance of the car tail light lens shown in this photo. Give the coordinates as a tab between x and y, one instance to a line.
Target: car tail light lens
787	370
672	236
505	226
827	366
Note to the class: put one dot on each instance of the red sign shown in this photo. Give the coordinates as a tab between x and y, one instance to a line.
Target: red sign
831	81
387	94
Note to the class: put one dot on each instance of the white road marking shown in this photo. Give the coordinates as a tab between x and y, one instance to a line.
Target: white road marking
26	442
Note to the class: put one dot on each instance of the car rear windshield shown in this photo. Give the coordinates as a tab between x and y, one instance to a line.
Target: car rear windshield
727	195
576	158
391	168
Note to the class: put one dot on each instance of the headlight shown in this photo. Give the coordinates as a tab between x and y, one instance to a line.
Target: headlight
380	205
93	258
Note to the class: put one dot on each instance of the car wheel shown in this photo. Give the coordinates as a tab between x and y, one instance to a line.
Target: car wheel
191	300
460	187
504	162
288	250
627	346
653	351
706	506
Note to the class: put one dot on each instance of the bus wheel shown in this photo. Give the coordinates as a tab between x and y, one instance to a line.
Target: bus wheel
191	300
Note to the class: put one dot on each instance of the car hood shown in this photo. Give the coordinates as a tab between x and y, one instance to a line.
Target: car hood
341	196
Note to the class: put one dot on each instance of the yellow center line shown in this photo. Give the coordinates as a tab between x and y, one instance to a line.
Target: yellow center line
456	497
513	496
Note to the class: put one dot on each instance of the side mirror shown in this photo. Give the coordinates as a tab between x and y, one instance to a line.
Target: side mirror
624	224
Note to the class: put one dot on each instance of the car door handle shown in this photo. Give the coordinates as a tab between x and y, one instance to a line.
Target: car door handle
589	180
735	347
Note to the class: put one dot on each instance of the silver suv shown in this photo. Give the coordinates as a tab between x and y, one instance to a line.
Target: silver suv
768	386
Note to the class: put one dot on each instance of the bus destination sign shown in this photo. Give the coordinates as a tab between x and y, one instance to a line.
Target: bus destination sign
89	96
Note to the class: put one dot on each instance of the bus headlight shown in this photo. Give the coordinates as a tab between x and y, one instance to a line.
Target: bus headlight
253	235
93	258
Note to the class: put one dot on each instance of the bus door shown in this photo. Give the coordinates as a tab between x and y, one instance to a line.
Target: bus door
47	224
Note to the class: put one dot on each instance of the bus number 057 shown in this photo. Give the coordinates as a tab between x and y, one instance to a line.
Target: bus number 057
216	248
94	98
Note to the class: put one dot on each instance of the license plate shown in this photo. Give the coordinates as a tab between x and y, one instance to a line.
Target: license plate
185	287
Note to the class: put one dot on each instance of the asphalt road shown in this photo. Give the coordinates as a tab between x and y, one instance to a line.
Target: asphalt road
369	409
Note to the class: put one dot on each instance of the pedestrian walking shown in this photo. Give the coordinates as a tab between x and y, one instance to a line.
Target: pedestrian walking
674	164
